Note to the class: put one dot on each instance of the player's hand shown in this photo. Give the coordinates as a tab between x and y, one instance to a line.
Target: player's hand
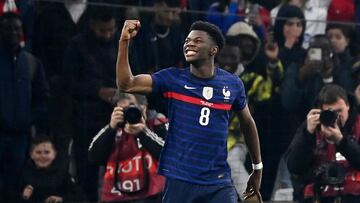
130	29
252	192
312	120
117	117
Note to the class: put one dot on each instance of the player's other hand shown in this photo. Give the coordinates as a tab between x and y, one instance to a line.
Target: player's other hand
130	29
252	192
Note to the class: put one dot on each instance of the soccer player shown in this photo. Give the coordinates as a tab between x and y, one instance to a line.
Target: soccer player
199	98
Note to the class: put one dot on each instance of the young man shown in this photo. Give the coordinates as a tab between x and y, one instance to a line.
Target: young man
199	100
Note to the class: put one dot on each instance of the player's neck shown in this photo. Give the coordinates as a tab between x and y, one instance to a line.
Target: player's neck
205	70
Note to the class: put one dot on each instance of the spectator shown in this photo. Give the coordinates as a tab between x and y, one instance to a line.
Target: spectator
340	39
262	80
45	178
302	84
223	13
122	143
342	10
159	44
328	149
23	94
289	33
89	67
54	27
315	12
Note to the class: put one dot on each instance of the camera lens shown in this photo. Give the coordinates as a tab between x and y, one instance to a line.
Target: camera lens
328	117
132	114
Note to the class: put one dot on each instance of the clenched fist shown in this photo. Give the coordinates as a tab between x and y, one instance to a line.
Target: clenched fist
130	29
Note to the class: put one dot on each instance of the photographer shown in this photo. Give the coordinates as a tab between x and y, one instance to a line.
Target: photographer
302	83
129	147
325	152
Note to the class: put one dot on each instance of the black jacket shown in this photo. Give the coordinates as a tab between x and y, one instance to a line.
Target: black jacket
54	180
102	144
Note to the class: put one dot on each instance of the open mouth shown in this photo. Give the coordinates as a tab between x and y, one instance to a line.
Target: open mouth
189	53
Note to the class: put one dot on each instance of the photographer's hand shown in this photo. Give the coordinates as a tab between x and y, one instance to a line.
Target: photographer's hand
332	134
117	117
134	129
312	120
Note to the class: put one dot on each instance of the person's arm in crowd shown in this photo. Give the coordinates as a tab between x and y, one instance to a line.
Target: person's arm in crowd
101	145
126	81
300	149
274	68
249	130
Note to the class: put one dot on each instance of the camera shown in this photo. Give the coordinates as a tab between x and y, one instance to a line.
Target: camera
330	173
328	117
132	114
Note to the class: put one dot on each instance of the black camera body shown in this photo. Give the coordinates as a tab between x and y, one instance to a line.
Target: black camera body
132	114
330	173
328	117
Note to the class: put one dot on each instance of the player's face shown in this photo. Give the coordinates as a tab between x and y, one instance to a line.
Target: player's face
197	46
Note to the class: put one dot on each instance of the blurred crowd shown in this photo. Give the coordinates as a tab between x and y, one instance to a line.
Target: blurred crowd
58	78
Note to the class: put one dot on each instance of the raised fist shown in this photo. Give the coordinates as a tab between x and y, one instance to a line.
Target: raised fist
130	29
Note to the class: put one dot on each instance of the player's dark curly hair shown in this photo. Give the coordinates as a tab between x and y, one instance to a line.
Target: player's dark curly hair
213	30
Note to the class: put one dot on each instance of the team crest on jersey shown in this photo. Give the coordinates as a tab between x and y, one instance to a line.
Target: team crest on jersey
208	92
226	93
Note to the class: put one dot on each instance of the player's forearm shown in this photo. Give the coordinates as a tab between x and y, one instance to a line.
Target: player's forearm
123	70
252	140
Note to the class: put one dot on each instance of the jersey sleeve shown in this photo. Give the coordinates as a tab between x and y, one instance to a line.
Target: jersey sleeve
160	84
240	99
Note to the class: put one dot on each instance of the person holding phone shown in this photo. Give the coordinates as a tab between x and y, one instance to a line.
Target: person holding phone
302	83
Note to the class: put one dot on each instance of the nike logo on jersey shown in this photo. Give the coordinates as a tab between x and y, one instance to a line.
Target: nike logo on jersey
189	87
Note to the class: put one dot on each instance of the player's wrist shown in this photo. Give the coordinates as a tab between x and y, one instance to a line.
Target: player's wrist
257	166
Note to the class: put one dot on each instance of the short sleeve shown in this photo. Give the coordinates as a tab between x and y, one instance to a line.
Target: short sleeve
160	81
240	99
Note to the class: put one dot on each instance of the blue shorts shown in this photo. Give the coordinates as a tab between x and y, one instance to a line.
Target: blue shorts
177	191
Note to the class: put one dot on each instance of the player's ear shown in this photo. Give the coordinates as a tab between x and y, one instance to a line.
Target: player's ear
214	50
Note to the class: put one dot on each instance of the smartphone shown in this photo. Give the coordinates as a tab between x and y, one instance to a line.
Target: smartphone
315	54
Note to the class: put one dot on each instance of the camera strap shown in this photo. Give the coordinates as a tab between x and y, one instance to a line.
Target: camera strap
126	173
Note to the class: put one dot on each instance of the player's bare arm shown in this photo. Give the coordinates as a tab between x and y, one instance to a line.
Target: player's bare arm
248	127
126	81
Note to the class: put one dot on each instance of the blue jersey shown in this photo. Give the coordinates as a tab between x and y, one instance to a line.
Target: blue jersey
198	110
